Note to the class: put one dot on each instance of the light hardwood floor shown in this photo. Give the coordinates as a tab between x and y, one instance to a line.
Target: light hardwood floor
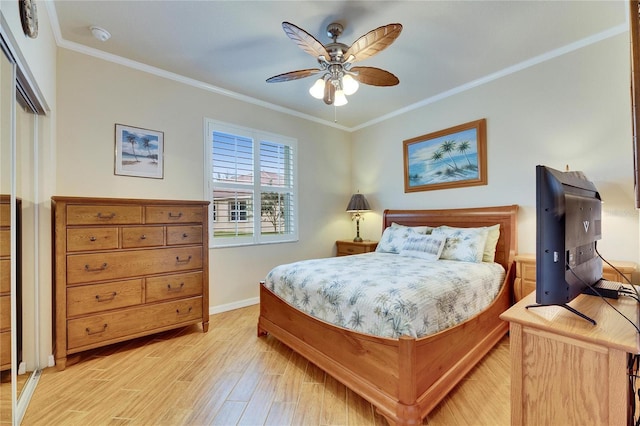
229	376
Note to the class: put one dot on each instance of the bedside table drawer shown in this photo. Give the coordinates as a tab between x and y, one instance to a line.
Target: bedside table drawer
345	251
348	247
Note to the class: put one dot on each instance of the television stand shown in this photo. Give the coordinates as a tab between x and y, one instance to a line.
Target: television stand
564	371
567	307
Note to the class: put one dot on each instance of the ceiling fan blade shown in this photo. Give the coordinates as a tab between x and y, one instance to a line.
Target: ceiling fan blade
374	76
373	42
305	41
293	75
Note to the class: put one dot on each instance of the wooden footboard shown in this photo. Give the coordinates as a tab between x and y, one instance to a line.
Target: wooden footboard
403	378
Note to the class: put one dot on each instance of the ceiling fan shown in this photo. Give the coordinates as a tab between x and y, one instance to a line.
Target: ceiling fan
335	59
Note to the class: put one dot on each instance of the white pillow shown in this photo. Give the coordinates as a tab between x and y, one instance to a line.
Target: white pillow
489	252
466	244
426	247
393	239
419	229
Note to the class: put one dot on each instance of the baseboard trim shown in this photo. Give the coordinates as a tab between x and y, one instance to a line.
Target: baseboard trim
235	305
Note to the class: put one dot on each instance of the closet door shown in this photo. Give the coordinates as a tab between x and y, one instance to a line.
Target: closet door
21	102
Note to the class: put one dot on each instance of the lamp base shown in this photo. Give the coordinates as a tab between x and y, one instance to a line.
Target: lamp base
357	240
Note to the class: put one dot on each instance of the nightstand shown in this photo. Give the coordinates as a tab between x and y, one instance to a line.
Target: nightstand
349	247
525	281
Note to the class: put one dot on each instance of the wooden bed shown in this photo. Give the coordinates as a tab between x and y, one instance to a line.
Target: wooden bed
403	378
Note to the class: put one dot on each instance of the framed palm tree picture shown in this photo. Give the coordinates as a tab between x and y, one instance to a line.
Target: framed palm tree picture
450	158
139	152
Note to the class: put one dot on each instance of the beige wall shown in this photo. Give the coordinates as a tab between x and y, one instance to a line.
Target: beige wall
573	109
95	94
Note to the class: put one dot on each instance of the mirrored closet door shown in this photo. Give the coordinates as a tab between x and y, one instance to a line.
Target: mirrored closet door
19	232
7	265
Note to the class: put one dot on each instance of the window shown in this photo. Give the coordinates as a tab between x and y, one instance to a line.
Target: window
251	183
238	211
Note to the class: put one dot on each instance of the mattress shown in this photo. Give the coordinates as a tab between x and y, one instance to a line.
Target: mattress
388	295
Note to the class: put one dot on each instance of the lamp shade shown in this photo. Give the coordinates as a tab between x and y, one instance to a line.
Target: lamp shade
317	90
349	85
358	203
340	99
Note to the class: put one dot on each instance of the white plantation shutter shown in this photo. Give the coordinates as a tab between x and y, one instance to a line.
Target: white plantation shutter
251	182
276	189
233	158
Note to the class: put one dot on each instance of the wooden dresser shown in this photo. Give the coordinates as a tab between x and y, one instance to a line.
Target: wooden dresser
525	281
349	247
5	278
125	268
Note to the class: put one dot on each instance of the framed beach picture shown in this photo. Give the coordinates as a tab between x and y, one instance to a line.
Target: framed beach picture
139	152
450	158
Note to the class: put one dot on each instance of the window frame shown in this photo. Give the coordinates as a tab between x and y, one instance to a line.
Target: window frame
256	188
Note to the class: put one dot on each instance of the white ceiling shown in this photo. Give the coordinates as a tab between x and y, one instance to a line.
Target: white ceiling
234	46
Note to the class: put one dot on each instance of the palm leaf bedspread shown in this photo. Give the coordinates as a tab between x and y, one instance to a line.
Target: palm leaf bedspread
386	294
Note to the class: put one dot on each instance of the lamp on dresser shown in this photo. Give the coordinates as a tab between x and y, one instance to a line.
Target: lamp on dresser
357	205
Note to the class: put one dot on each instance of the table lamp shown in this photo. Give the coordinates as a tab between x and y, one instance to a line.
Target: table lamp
357	204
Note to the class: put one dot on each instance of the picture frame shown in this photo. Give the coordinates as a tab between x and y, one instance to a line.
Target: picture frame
139	152
450	158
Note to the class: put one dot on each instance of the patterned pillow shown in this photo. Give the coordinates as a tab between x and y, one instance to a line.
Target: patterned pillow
466	244
393	239
419	229
493	233
425	247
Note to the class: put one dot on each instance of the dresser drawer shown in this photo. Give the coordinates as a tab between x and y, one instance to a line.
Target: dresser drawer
84	268
103	214
173	214
92	298
5	312
96	330
184	235
142	236
5	276
5	243
173	286
5	349
85	239
5	214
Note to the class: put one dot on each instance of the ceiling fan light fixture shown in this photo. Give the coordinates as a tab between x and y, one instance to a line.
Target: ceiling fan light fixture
335	61
317	90
349	85
340	98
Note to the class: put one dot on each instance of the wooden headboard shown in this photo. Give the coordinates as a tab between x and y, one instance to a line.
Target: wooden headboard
466	218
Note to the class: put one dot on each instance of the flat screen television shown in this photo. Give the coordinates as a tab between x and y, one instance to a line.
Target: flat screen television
568	224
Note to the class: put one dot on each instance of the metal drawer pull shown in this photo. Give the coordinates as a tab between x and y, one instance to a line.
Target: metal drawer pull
110	216
169	288
178	260
143	237
185	235
101	268
182	313
175	216
106	298
89	332
92	238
